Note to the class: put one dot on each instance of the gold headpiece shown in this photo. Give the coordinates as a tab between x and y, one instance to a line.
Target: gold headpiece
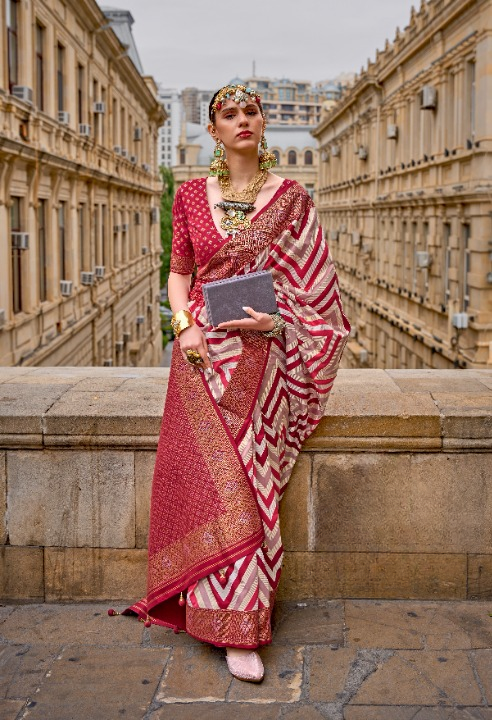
239	93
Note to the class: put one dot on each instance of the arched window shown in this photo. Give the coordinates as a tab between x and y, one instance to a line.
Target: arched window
292	157
277	156
308	157
182	156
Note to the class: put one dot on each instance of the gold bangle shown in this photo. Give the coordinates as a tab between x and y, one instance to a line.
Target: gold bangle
180	321
278	325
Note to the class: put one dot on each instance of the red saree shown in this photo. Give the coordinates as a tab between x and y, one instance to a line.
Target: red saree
229	439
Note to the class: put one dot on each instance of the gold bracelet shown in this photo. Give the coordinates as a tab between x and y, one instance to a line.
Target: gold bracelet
180	321
278	325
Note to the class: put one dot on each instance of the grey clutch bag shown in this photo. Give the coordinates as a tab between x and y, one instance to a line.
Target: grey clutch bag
224	299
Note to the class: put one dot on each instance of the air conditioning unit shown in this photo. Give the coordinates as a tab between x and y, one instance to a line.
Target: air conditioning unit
146	167
116	228
99	107
124	152
63	117
423	259
363	153
392	132
145	249
367	248
343	228
460	321
20	240
87	278
154	216
150	307
334	235
324	156
140	319
99	271
137	133
428	98
119	345
84	129
21	92
124	227
117	149
127	337
3	318
138	218
356	238
335	151
66	287
108	362
133	159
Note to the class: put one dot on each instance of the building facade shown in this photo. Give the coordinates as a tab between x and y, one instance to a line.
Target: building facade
405	192
294	148
294	102
79	190
170	131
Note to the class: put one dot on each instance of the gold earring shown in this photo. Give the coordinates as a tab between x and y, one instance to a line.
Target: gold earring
218	166
267	159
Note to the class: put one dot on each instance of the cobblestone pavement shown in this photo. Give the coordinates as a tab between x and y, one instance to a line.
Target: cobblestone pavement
338	660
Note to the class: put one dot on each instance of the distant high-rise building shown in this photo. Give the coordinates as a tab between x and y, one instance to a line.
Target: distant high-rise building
169	132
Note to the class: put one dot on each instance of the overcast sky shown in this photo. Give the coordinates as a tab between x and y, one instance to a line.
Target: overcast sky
204	43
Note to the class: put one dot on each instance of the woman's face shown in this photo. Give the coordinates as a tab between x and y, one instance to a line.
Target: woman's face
239	128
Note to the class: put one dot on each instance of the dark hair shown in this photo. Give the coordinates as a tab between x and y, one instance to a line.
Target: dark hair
211	113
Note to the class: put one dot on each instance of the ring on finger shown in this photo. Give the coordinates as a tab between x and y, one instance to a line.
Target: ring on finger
194	357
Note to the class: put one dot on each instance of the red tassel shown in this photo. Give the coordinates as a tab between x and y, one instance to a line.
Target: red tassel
112	612
148	623
222	578
181	600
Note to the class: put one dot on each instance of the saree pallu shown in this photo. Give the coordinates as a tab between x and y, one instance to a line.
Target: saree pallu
229	439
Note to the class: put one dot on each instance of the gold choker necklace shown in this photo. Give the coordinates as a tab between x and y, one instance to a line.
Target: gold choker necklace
250	192
237	205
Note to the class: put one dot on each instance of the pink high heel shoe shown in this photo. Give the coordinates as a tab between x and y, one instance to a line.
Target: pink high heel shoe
245	665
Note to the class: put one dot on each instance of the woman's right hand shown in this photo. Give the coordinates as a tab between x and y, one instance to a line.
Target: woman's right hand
192	338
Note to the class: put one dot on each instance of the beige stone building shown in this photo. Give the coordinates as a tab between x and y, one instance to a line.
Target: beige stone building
293	146
79	190
405	193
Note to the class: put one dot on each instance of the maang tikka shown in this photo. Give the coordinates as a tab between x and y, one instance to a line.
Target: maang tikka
267	159
218	166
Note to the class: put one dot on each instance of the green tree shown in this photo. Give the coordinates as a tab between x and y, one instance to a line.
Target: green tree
166	221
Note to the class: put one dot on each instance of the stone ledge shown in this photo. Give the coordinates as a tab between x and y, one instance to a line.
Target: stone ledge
402	409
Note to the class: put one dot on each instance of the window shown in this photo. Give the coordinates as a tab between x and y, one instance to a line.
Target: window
465	250
40	66
84	242
95	116
451	110
115	121
12	9
292	157
16	226
308	157
80	94
42	259
104	233
470	101
62	240
182	156
446	246
277	156
103	116
60	65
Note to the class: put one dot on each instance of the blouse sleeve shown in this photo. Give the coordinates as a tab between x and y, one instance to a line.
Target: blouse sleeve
182	254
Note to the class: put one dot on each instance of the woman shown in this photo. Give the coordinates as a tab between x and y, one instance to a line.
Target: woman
243	396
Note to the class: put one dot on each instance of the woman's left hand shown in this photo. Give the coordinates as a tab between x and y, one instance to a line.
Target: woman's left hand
257	321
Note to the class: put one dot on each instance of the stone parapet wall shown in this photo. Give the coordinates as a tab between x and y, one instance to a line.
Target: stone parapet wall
390	498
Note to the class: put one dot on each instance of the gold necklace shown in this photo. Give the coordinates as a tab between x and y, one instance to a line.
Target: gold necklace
249	193
237	204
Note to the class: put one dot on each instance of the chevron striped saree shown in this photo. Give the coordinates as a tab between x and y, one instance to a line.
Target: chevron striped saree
229	439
